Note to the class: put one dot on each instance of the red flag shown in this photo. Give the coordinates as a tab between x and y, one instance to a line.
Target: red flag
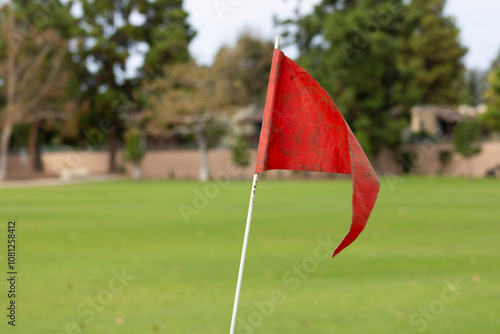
304	130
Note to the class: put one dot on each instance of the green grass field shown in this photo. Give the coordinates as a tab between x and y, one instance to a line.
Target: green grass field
428	261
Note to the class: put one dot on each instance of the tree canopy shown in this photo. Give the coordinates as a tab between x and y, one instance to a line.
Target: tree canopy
116	33
491	117
379	58
35	68
189	98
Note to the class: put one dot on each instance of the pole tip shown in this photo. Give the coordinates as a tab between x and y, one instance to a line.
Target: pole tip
277	43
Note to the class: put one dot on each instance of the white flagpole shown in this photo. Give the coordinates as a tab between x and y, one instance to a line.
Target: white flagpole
243	253
245	240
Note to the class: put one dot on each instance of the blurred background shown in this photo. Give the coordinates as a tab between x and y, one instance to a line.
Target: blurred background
176	89
172	92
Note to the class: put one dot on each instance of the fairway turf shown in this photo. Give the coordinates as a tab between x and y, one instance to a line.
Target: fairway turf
428	261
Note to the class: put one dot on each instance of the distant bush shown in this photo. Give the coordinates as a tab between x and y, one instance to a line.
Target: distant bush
407	161
241	152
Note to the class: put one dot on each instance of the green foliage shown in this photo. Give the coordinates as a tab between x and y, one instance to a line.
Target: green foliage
407	161
491	118
216	129
183	101
246	65
351	50
241	152
37	82
420	137
379	58
430	55
190	99
445	158
465	137
110	36
20	136
134	150
474	90
39	38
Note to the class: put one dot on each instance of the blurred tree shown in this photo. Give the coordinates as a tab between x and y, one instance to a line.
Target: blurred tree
351	48
496	62
378	58
246	65
430	58
465	138
189	99
475	87
34	68
241	152
186	101
124	42
491	118
134	151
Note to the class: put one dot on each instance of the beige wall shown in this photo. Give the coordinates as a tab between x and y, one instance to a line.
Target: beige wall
54	162
185	164
156	164
489	157
427	160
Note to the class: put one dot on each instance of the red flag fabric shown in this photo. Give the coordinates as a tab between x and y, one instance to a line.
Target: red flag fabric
304	130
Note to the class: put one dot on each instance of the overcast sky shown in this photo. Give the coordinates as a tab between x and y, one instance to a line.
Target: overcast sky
478	20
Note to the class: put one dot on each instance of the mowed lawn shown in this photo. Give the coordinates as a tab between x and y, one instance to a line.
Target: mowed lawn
119	257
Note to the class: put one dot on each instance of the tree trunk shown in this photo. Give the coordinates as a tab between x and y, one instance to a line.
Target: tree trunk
112	150
4	149
469	168
204	175
137	171
34	148
11	81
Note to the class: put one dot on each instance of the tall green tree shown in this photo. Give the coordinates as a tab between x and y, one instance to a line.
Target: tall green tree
475	87
186	101
134	151
240	152
496	62
465	139
247	64
377	58
189	99
491	118
430	58
351	48
34	65
155	32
